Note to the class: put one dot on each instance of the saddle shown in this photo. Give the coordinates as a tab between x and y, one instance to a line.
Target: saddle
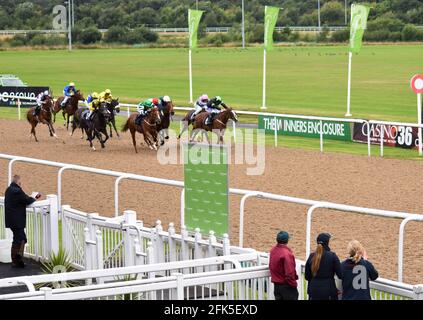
85	114
209	119
138	119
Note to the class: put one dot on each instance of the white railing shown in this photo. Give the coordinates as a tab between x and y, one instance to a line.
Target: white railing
224	282
42	228
240	192
368	123
94	242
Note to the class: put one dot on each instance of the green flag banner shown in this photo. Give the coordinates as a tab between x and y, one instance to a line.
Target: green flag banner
270	18
194	17
359	14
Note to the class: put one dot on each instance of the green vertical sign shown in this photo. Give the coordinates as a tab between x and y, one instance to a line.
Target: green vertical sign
206	188
270	18
194	17
359	15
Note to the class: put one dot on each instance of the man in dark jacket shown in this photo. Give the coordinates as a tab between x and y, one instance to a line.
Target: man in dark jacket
282	269
15	203
320	272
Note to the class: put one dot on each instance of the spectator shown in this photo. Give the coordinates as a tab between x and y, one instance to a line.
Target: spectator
320	269
15	203
357	272
282	269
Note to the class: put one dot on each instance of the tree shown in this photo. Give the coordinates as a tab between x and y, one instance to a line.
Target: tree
90	35
333	13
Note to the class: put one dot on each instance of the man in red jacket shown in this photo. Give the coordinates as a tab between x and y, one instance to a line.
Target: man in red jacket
282	269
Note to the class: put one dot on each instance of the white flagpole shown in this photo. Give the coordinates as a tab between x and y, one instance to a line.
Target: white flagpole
264	80
190	76
419	117
348	114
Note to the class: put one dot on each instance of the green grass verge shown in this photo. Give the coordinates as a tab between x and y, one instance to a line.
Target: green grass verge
301	80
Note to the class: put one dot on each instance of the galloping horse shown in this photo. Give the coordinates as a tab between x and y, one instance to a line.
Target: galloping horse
148	128
187	121
113	107
94	128
219	123
166	113
44	117
70	107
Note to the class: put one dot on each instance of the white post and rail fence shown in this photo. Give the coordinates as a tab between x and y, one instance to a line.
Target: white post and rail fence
245	194
383	125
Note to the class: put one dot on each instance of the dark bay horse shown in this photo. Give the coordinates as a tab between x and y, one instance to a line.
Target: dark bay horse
94	128
70	107
113	108
218	125
44	117
148	128
166	113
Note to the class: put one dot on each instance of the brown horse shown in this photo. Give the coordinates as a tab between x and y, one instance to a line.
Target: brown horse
187	121
70	107
166	113
218	125
148	128
44	117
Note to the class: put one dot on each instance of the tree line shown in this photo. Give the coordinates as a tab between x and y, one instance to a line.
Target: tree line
389	20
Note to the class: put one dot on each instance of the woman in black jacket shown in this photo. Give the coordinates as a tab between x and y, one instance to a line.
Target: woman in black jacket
357	272
320	269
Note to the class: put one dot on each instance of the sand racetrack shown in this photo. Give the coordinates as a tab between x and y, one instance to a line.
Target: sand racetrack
355	180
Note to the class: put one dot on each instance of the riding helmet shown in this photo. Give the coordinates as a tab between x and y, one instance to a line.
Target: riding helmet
166	99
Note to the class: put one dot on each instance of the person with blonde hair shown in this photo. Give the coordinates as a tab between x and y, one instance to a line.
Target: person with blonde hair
320	270
357	272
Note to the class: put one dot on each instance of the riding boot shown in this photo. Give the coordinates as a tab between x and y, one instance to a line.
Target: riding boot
20	255
14	253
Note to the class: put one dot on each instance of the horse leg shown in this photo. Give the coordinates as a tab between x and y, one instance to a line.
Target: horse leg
67	122
33	130
64	117
52	132
90	138
107	136
185	128
193	135
110	129
114	127
134	142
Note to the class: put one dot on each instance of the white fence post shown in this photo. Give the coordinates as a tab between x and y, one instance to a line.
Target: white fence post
88	251
99	252
179	291
47	293
418	290
158	242
171	242
130	219
53	224
211	251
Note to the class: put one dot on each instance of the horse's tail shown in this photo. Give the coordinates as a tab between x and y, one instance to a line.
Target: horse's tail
126	126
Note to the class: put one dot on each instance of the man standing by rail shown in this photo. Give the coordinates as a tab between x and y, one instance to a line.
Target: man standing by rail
15	203
282	269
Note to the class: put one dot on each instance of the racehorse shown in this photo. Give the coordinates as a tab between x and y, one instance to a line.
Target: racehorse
148	128
43	117
70	107
166	113
187	121
113	107
93	128
219	123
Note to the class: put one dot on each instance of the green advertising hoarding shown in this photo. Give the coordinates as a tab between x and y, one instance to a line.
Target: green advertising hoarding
206	188
305	127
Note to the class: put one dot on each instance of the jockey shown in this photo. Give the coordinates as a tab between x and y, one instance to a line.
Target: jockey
41	98
93	103
145	106
163	101
200	105
213	107
68	92
106	96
